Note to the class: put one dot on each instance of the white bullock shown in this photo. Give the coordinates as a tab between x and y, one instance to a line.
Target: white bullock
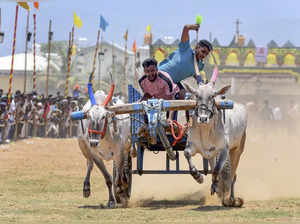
104	136
221	142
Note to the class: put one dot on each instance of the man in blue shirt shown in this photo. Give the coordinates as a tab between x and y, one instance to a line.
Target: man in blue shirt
180	64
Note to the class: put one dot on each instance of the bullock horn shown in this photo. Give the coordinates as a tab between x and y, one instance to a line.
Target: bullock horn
110	95
179	105
90	90
127	108
214	75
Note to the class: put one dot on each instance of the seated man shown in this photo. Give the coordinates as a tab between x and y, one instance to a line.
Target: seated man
155	83
159	85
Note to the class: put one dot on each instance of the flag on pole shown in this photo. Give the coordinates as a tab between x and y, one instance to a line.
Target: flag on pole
103	23
126	35
149	28
77	21
24	5
36	5
134	46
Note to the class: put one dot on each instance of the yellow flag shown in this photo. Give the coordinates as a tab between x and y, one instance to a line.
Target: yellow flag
73	50
126	35
149	28
77	21
24	5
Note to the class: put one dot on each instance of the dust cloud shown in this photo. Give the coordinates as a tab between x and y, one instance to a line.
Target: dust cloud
268	169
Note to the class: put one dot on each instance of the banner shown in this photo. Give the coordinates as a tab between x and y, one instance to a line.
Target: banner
261	54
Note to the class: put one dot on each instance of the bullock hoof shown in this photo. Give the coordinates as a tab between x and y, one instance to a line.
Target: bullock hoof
124	202
238	202
197	175
111	204
86	190
233	202
214	188
171	154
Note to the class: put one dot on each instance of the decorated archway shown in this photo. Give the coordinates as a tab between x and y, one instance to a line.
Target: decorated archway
250	60
159	55
232	59
289	60
271	60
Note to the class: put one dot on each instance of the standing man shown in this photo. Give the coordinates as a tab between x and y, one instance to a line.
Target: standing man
180	64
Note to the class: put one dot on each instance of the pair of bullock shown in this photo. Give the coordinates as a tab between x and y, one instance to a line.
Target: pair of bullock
218	137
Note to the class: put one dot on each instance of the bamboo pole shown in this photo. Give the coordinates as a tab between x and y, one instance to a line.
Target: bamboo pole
26	50
49	50
11	74
34	52
124	70
12	59
95	58
71	39
47	77
135	72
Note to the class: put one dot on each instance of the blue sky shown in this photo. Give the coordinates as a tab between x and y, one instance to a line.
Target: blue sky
262	20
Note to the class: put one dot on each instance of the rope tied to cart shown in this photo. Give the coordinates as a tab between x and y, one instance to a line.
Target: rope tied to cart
181	130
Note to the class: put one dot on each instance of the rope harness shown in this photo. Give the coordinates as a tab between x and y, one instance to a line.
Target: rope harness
181	130
204	107
101	133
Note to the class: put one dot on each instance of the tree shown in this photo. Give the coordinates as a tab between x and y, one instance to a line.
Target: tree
61	49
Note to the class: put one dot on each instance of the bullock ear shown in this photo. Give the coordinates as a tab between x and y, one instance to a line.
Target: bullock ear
223	90
189	88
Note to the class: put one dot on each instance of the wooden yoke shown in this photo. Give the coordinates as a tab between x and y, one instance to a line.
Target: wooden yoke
168	105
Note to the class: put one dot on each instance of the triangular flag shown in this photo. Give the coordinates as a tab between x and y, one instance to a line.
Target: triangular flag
134	46
103	23
149	28
36	5
77	21
24	5
126	35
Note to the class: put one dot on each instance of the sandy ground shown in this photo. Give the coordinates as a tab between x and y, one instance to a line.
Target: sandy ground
41	182
268	168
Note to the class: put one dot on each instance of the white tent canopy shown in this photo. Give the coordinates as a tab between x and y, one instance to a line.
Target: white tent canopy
19	62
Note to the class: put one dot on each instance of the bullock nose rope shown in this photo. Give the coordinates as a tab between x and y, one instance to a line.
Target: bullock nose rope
181	130
101	133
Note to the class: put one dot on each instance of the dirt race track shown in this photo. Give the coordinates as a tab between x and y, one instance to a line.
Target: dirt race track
41	182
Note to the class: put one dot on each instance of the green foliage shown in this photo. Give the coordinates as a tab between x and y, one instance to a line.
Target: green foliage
61	49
